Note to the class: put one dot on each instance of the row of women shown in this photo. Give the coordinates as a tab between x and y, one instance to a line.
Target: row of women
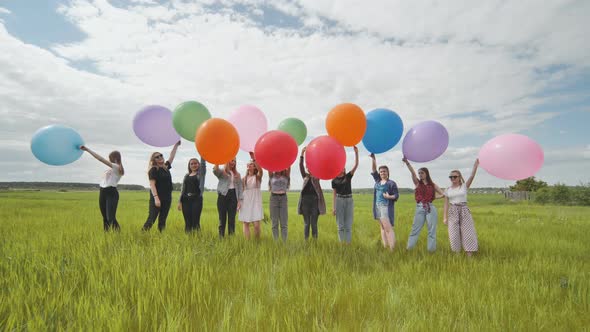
237	194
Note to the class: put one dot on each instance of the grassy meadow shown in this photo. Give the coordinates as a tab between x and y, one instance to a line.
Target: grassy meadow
60	271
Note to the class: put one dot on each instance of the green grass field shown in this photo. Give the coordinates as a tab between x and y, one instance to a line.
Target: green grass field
60	271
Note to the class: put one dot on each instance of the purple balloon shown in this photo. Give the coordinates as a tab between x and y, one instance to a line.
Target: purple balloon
426	141
153	126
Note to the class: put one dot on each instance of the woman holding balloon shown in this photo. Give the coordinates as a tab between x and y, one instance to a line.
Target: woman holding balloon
385	194
311	202
457	215
343	205
108	198
160	189
251	208
425	193
229	196
191	195
278	183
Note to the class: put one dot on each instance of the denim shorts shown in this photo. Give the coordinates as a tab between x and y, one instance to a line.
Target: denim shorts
382	211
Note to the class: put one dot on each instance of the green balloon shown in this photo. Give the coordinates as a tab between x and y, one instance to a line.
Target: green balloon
294	127
188	117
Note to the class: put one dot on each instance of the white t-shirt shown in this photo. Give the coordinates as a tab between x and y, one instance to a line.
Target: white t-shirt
232	185
111	177
457	195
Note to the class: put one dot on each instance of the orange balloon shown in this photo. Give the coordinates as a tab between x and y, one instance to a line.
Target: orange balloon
347	124
217	141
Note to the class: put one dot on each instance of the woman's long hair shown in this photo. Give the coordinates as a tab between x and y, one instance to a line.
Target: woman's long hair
152	162
428	179
115	157
460	175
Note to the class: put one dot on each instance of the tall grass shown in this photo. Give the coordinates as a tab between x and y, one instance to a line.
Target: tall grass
59	270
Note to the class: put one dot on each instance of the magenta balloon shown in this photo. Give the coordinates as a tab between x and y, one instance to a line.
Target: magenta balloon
426	141
511	157
250	123
325	157
153	126
275	150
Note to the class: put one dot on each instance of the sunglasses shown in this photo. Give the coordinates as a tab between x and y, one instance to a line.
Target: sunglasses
453	176
158	156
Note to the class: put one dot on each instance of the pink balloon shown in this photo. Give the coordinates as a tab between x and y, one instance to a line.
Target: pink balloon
325	157
250	123
275	150
511	157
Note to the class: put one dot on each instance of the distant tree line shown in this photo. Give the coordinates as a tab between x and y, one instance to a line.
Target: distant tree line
557	194
62	185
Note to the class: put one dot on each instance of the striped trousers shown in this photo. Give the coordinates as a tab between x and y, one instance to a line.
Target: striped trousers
461	228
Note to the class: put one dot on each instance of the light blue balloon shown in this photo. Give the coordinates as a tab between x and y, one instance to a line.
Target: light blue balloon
57	145
384	130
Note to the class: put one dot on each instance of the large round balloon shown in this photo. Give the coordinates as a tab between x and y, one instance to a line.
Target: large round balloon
325	157
187	117
511	157
294	127
57	145
250	123
217	141
347	124
426	141
275	150
384	130
153	126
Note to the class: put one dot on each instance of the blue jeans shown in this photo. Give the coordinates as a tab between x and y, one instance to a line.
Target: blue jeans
420	217
344	213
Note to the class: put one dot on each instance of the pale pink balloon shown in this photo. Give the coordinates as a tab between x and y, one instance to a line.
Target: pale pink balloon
511	157
250	123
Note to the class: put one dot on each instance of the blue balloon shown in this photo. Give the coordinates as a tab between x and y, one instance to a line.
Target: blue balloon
57	145
384	130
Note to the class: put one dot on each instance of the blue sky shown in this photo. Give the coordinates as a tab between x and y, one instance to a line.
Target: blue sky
481	69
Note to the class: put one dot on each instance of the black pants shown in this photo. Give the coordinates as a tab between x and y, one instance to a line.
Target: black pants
227	207
108	200
311	213
157	212
191	211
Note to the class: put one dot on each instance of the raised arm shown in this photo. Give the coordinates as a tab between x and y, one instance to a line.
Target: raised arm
470	180
414	177
356	160
202	172
373	163
258	168
218	172
97	156
301	161
173	152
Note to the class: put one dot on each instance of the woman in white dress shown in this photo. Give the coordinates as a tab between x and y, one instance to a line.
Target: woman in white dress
251	207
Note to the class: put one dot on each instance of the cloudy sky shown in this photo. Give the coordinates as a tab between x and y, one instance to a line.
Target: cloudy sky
481	68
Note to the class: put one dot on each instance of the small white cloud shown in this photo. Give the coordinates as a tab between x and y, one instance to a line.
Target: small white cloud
4	11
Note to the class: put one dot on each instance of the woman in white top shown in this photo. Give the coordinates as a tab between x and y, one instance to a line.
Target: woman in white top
457	215
251	207
108	198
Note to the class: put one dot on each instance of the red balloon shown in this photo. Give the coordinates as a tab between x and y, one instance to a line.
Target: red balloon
275	150
325	157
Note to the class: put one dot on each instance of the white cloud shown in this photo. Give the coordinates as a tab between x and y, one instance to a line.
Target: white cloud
4	11
422	60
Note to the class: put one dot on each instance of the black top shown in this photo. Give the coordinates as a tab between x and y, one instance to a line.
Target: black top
342	184
163	181
191	186
309	189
